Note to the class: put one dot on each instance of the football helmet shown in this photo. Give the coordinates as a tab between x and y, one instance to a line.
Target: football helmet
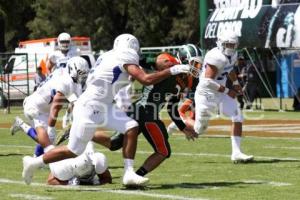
64	41
228	42
127	41
186	52
196	65
78	69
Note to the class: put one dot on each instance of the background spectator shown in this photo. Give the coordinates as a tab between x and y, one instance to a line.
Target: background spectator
296	103
39	77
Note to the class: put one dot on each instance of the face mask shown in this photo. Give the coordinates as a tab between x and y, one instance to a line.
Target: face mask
229	52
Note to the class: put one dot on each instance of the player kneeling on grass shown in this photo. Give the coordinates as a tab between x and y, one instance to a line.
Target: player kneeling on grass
90	168
42	107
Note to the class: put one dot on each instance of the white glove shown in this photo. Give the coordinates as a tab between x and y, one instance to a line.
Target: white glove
67	118
178	69
51	134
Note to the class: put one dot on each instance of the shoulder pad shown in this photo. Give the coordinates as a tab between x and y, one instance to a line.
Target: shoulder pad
128	56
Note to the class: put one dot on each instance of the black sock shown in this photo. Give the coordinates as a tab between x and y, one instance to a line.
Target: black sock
141	171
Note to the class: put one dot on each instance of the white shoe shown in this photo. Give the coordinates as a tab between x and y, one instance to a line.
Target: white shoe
240	157
172	128
28	169
16	125
130	178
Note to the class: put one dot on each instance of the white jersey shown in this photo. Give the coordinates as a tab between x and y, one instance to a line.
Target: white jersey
84	167
223	63
43	96
60	60
108	76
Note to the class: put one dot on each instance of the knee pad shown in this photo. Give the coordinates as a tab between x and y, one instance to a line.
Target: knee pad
201	124
238	118
100	162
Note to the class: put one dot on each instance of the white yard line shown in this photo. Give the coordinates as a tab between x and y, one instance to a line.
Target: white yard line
30	197
182	154
278	147
222	155
272	128
278	184
106	190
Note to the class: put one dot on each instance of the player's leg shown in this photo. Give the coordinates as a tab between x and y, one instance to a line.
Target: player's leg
119	121
81	133
61	172
229	107
101	168
19	124
203	110
156	134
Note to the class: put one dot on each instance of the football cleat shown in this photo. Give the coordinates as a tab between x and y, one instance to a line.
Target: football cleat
28	169
172	128
130	178
241	158
16	125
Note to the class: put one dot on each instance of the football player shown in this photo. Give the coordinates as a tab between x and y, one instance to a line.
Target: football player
95	107
42	107
146	112
211	92
192	55
90	168
58	59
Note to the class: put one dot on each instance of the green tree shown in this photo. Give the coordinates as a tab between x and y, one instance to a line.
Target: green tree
154	22
15	14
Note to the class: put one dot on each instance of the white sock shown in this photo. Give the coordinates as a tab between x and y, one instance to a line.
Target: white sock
236	144
38	161
48	148
128	164
25	127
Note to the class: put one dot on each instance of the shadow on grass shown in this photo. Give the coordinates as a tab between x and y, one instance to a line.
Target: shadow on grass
210	185
271	161
12	154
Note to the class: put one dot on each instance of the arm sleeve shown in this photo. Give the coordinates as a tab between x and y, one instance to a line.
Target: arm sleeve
173	112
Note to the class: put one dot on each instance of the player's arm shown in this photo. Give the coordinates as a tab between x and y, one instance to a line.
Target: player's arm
209	81
50	65
235	83
57	103
173	112
184	107
172	109
152	78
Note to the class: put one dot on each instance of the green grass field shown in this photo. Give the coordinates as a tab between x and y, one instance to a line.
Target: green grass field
198	169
